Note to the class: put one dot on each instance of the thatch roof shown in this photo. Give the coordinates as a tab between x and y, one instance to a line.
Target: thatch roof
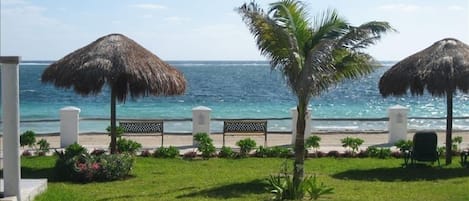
440	68
120	62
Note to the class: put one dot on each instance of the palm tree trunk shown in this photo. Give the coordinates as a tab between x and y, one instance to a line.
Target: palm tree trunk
113	121
298	166
449	126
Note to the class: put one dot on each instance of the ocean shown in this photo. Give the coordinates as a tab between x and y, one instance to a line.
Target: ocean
235	90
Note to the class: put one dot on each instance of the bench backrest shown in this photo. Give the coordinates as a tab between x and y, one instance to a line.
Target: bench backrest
153	126
245	126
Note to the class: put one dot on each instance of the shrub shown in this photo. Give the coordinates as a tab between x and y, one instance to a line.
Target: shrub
119	130
376	152
276	151
352	143
43	147
226	152
313	142
333	153
457	143
205	145
28	138
245	146
76	164
166	152
282	187
128	146
403	145
145	153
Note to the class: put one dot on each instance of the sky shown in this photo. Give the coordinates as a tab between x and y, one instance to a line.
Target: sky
209	29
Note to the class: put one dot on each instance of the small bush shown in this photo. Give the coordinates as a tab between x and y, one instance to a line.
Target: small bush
313	142
333	153
43	147
457	143
403	145
352	143
76	164
119	131
128	146
166	152
376	152
205	145
145	153
226	152
245	146
28	138
273	152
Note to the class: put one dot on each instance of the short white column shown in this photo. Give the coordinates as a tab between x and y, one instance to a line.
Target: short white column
69	124
397	124
11	126
294	113
200	121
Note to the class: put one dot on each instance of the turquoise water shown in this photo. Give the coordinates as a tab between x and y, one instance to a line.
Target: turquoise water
232	89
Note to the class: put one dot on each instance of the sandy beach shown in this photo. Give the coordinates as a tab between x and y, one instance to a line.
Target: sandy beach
329	141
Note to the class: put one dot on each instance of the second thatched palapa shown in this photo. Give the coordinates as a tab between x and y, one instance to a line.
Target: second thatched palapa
126	67
441	69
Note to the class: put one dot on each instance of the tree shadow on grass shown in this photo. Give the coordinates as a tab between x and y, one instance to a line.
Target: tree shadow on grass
233	190
414	173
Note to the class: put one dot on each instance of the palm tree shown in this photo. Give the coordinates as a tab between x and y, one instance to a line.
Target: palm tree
311	55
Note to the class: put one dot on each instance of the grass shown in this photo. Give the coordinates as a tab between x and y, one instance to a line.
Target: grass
244	179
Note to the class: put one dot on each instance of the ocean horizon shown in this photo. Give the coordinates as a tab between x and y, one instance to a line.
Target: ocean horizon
235	90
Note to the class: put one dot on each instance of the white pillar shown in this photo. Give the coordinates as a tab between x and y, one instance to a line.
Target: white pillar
294	114
200	121
11	126
69	121
397	124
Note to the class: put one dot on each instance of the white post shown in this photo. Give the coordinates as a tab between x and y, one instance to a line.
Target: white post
397	124
294	113
11	126
69	124
200	121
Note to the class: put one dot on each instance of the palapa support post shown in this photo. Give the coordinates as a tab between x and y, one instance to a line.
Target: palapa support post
200	121
69	125
294	113
11	126
397	124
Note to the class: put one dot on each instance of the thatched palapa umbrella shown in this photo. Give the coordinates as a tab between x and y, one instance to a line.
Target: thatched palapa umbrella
442	69
127	68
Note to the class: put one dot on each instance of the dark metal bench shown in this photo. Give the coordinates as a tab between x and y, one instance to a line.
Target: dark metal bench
245	128
143	128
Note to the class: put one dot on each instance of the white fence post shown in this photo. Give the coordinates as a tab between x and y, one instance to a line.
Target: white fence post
397	124
200	121
11	126
294	113
69	125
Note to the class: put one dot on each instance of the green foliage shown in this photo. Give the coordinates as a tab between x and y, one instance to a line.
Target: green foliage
376	152
281	185
403	145
313	142
205	144
43	146
119	131
75	164
245	146
457	143
127	146
276	151
226	152
28	138
166	152
352	143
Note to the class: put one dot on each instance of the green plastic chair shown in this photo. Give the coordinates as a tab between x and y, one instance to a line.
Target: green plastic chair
424	148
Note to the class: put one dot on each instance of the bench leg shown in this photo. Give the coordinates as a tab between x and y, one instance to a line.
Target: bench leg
162	140
265	141
223	139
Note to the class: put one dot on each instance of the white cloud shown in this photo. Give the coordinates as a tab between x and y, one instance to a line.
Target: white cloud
401	7
176	19
149	6
456	8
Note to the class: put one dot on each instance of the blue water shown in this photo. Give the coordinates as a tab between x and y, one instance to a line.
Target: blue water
232	89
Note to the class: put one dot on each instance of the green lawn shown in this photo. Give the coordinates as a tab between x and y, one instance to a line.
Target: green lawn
244	179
